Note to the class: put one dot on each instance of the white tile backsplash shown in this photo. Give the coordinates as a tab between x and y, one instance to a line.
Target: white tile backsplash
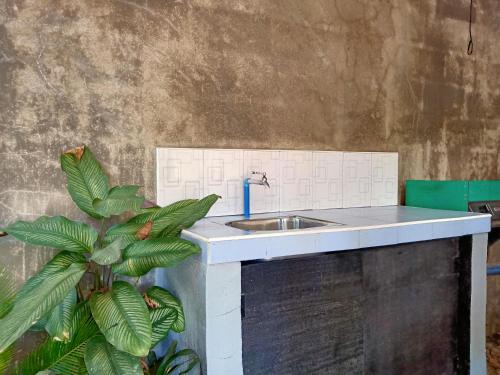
298	179
384	179
263	199
356	179
223	175
179	174
327	179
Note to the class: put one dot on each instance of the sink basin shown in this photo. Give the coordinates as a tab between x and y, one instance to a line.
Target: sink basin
279	223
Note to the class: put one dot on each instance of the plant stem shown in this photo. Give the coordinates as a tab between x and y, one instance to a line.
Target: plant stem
79	292
100	278
96	280
110	279
101	232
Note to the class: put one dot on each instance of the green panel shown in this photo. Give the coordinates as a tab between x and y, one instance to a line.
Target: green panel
444	195
487	190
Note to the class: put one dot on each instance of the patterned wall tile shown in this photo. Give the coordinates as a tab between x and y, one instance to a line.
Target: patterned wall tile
327	179
179	174
223	175
299	179
296	180
384	179
356	175
263	199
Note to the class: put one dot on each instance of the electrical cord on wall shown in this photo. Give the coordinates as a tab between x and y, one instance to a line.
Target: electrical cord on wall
470	46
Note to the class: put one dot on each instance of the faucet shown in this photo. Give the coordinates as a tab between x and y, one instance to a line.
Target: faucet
246	190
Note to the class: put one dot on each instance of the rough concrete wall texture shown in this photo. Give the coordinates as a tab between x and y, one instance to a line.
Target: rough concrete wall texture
125	76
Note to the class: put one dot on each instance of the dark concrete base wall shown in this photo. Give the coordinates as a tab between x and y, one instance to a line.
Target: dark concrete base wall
493	305
393	310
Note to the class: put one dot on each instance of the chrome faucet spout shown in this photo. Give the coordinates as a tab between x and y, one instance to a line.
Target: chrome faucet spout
246	189
262	181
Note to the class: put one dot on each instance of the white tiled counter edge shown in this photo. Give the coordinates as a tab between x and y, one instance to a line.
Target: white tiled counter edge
377	227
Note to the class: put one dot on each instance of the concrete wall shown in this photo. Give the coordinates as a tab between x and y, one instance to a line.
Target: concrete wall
125	76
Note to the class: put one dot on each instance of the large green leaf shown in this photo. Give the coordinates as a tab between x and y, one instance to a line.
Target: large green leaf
103	358
7	294
162	299
172	219
173	224
140	257
39	295
119	200
161	322
171	350
123	317
7	291
127	232
111	253
60	318
177	362
61	261
153	213
57	232
86	179
63	358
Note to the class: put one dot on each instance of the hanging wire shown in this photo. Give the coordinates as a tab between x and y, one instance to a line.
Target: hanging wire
470	46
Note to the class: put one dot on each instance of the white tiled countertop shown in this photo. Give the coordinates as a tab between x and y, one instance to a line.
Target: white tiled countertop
362	228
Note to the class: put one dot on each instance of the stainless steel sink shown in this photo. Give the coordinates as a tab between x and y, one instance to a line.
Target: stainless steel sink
279	223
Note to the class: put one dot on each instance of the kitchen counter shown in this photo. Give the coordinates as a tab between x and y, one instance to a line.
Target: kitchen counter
361	228
242	316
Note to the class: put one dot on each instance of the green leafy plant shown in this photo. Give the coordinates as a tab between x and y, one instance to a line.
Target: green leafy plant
7	293
174	362
96	321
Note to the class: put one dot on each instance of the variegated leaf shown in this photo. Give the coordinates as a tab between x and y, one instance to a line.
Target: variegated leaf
7	291
172	219
103	358
86	179
39	295
140	257
119	200
111	253
60	318
57	232
63	358
161	298
127	231
123	318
